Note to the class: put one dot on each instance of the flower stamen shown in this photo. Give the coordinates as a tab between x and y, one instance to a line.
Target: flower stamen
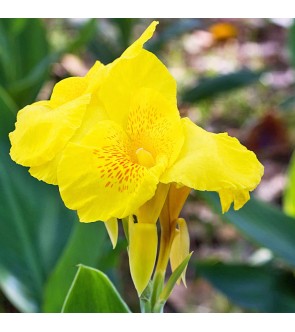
145	158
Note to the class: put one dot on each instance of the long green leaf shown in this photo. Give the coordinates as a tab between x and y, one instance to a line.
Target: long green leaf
263	223
34	227
210	87
125	27
256	288
8	111
23	48
173	279
85	34
93	292
84	247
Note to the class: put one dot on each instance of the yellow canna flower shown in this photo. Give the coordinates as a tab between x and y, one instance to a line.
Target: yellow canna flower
116	146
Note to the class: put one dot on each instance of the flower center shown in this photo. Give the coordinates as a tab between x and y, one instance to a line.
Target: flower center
145	158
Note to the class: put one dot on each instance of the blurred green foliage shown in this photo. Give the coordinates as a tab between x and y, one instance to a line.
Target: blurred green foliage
260	288
41	242
39	237
210	87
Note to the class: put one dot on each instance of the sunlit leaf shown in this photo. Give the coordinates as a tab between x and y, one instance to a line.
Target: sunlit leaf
93	292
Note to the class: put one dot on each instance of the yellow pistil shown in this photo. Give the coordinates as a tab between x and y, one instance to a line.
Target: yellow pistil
145	158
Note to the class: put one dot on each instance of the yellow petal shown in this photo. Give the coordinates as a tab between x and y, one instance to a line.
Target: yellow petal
95	76
71	88
98	177
112	229
149	212
67	90
176	199
127	76
143	241
136	47
47	172
180	247
154	125
215	162
42	132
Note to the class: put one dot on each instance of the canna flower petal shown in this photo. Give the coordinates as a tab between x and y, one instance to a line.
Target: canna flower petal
143	242
180	247
105	182
149	212
112	229
118	169
137	46
175	201
42	132
215	162
44	128
127	76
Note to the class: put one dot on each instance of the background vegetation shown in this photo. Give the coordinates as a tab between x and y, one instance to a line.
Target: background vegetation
233	75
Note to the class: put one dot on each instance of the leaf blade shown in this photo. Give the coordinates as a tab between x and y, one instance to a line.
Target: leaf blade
210	87
92	292
83	247
263	223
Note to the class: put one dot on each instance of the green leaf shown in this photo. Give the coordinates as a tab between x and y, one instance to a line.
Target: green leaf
289	194
291	43
257	288
25	89
93	292
106	45
173	279
34	227
210	87
8	111
263	223
125	27
23	52
84	247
